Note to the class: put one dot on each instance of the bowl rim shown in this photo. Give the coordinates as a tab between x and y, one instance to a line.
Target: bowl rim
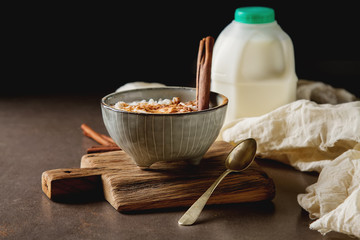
107	106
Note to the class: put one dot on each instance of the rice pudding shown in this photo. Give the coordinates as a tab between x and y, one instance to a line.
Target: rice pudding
159	106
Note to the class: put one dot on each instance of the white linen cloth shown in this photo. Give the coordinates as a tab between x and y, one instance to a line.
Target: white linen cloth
137	85
335	199
303	134
314	137
322	93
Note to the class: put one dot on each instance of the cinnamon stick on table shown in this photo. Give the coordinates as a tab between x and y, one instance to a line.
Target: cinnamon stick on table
100	138
102	148
203	73
107	143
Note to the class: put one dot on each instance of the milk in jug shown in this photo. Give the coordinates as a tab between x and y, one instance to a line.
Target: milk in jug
253	64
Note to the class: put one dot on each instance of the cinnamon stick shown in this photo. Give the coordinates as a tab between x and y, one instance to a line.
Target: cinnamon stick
203	73
102	148
109	139
89	132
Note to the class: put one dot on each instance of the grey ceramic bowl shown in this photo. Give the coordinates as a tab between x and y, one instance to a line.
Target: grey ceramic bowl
149	137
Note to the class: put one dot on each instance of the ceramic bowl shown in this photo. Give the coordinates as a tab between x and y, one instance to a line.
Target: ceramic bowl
150	138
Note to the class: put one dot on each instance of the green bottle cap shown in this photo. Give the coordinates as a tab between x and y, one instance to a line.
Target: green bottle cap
255	15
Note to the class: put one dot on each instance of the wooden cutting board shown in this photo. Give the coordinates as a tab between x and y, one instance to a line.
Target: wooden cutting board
164	185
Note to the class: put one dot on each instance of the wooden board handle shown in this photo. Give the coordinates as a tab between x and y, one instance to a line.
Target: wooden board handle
72	183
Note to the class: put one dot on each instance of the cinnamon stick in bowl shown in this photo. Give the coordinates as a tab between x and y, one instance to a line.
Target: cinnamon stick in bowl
203	72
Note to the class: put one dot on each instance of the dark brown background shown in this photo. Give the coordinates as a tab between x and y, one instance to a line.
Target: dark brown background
95	48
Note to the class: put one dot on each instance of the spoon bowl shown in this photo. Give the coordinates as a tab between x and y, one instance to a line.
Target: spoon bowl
242	155
240	158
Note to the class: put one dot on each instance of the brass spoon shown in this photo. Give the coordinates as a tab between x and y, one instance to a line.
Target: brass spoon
240	158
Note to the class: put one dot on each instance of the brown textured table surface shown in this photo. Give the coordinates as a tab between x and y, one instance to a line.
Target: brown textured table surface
43	133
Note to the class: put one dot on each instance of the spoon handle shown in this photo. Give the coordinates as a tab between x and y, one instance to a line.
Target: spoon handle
194	211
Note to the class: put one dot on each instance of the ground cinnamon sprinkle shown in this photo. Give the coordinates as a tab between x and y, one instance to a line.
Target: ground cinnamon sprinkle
160	106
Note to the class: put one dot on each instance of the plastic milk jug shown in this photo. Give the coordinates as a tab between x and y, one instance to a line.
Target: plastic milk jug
253	64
